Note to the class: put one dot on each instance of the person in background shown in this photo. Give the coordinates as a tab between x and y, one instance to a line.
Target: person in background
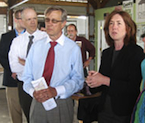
84	44
143	64
120	70
19	51
143	39
42	26
85	105
9	77
66	76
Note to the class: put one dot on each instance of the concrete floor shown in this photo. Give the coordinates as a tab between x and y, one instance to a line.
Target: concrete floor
4	115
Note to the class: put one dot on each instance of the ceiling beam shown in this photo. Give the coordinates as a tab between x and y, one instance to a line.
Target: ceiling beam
96	4
3	10
4	1
104	2
53	2
14	2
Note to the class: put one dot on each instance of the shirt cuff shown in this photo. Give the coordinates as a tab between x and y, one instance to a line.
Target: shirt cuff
60	91
31	91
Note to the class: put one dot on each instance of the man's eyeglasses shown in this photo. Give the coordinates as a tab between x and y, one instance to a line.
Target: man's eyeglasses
18	18
53	20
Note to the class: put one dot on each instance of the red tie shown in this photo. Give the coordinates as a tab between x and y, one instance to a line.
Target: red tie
48	69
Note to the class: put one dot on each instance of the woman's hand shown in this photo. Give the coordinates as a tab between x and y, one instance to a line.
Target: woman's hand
96	79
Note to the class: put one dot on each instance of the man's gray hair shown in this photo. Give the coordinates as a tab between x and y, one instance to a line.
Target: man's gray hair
57	8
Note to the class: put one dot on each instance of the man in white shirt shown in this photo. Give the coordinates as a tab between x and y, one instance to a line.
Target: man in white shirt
19	51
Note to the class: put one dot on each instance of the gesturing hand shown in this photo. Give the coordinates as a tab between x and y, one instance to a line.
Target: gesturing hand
96	79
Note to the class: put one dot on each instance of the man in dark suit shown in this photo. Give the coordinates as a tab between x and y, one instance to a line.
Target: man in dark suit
9	77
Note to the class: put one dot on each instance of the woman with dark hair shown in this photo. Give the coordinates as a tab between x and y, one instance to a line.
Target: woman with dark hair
120	71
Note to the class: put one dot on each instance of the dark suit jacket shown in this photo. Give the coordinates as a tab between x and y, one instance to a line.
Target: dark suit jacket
6	40
125	77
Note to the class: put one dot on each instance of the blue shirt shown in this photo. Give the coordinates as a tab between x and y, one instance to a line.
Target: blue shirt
17	34
67	76
143	73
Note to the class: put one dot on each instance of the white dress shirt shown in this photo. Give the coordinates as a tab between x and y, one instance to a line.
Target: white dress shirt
18	49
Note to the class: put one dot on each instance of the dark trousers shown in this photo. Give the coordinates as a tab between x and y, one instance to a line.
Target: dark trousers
25	100
85	72
88	109
108	116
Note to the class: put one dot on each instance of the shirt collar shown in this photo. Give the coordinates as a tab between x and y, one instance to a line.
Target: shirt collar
20	32
34	34
60	40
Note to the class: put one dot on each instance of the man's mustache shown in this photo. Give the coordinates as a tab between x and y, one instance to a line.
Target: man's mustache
70	35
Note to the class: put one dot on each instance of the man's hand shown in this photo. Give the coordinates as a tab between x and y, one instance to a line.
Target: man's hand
21	61
45	94
14	75
86	63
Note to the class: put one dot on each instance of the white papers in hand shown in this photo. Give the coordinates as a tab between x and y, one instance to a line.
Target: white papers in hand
40	84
